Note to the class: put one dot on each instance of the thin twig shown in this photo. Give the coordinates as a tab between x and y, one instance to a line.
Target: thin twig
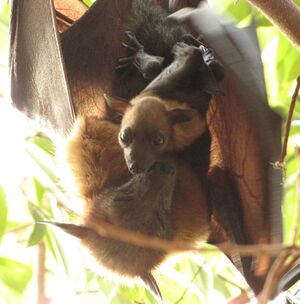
63	17
192	280
243	298
41	295
111	231
296	222
281	266
288	124
290	263
265	294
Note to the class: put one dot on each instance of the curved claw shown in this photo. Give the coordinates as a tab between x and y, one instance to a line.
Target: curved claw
133	40
129	47
191	40
150	282
123	66
126	59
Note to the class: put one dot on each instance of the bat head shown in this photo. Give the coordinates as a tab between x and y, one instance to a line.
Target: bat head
147	130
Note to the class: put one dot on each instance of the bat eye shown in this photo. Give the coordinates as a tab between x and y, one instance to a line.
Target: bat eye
158	140
126	137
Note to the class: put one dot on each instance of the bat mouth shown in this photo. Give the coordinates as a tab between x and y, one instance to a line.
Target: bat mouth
135	168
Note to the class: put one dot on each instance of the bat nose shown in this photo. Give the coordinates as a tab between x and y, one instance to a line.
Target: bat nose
134	168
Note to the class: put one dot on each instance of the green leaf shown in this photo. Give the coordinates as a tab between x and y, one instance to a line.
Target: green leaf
240	10
44	161
3	212
37	234
50	245
62	256
107	287
15	274
4	14
39	191
57	251
36	212
39	230
89	2
44	143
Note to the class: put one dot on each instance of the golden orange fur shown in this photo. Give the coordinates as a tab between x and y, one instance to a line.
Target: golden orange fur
96	162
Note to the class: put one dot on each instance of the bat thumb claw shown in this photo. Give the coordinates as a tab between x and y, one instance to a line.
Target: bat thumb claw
151	283
78	231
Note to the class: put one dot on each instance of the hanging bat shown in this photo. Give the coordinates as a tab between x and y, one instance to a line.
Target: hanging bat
154	201
238	180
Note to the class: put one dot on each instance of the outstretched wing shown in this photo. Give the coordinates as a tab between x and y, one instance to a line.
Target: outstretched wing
245	140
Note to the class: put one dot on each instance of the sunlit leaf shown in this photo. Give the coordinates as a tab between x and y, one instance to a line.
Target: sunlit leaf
88	2
37	234
57	251
39	230
43	160
239	11
14	274
44	143
50	245
39	191
3	212
107	287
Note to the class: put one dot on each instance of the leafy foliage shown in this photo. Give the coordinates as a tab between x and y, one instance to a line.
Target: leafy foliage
34	193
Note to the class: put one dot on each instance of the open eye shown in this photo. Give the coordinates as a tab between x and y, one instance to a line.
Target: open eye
125	137
158	139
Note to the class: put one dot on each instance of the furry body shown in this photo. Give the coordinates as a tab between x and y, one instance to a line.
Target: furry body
98	167
175	204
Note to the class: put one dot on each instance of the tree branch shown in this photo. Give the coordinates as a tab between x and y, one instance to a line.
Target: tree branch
285	14
109	230
280	164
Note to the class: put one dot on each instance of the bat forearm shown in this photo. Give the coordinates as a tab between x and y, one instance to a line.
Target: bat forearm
285	14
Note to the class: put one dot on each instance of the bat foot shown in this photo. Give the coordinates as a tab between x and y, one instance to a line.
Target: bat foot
208	54
191	40
148	65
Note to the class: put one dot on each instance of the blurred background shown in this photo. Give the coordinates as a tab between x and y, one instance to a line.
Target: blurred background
41	265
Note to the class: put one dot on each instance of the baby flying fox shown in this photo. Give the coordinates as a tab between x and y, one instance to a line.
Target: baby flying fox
165	199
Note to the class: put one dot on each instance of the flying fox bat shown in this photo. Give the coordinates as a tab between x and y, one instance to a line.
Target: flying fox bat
245	134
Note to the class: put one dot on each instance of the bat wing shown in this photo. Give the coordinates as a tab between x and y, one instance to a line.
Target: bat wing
246	137
38	82
91	54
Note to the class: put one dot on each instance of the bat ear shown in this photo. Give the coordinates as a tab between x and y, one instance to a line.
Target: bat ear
182	115
150	282
115	107
116	104
75	230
